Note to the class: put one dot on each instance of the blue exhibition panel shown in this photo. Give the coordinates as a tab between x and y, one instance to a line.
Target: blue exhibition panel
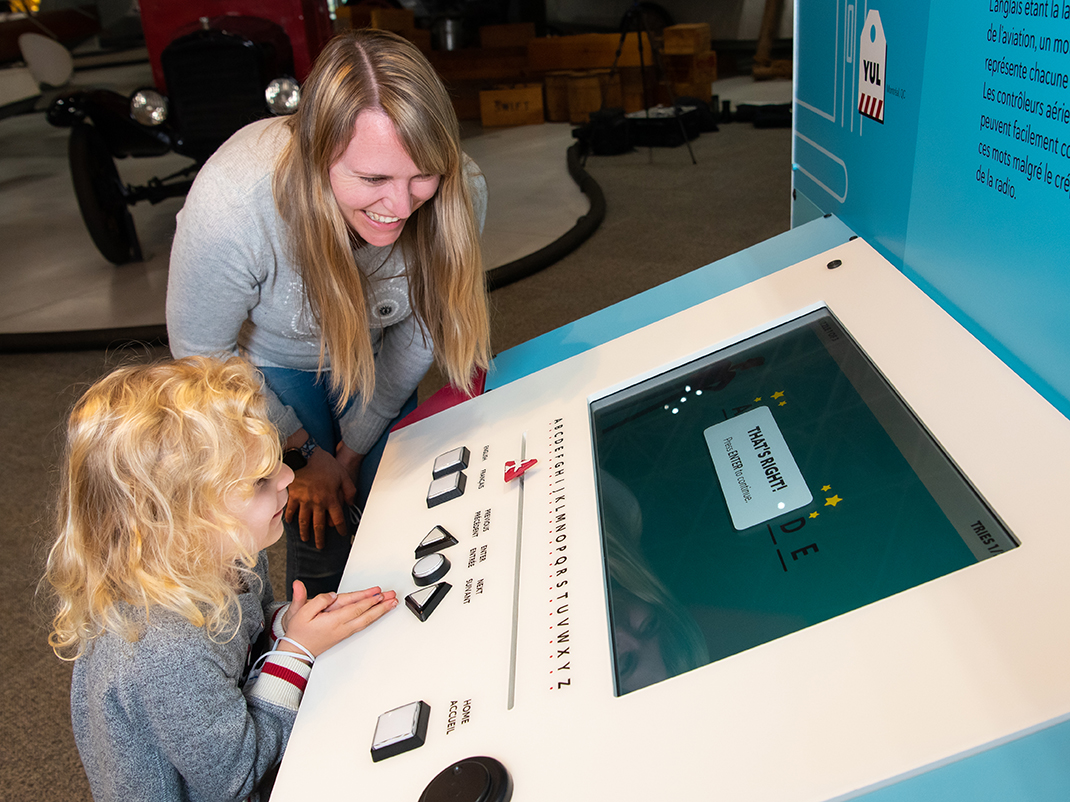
959	174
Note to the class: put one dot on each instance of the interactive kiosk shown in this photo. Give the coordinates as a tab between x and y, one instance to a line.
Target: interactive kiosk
797	542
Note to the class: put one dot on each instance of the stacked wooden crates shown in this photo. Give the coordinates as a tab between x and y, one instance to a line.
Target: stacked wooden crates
576	77
516	78
499	66
571	95
578	74
579	80
510	104
690	65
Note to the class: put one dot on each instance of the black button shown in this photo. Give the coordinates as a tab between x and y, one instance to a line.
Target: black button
400	730
451	461
423	602
447	488
474	779
436	540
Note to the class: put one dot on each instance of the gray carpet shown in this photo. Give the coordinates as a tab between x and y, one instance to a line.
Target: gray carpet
664	218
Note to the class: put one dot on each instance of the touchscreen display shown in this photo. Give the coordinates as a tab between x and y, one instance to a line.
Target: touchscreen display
764	488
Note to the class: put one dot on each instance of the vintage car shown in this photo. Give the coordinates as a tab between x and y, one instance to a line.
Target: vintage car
217	65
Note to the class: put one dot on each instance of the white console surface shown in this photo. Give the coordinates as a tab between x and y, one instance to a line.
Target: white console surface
516	661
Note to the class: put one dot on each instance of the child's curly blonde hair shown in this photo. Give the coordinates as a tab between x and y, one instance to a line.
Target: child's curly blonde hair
153	454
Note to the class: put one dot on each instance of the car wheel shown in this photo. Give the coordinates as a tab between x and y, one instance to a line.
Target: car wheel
101	197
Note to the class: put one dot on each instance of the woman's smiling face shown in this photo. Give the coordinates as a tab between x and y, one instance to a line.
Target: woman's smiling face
376	184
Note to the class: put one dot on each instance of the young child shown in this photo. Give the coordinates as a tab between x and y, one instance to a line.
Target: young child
172	490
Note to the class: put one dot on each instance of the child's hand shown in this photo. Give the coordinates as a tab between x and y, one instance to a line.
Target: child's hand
321	622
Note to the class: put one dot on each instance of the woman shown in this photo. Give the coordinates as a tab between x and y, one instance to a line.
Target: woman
338	250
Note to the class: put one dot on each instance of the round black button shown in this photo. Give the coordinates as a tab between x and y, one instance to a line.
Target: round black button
474	779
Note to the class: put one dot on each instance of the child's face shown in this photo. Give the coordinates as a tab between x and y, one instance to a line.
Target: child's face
262	511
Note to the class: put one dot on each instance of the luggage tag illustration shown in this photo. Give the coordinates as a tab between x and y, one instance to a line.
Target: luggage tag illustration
873	57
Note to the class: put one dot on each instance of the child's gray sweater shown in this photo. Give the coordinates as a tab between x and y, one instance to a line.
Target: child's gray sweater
168	717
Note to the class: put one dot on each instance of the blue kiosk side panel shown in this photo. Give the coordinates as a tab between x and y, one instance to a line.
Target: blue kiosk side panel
963	178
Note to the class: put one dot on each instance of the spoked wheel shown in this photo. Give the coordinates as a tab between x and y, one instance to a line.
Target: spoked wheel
100	196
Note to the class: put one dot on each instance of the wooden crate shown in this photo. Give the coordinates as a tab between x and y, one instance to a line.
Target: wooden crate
516	35
584	96
419	37
611	90
692	69
515	105
556	104
464	95
398	20
495	65
702	90
466	102
586	51
571	95
631	87
682	40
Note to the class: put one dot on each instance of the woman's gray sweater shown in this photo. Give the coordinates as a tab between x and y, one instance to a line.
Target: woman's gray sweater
233	287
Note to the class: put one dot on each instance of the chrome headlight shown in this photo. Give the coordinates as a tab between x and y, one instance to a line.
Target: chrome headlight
148	107
283	95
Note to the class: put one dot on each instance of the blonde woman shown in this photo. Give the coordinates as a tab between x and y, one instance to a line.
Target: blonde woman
172	489
338	250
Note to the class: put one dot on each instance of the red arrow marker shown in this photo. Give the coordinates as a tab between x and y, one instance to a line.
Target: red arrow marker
512	471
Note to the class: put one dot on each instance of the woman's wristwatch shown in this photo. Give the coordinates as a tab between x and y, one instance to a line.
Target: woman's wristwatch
297	458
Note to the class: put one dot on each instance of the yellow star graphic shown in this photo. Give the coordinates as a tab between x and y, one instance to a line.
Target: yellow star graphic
832	502
826	488
778	394
783	403
756	400
814	514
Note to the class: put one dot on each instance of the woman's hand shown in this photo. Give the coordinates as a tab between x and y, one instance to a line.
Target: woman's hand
321	622
350	460
319	495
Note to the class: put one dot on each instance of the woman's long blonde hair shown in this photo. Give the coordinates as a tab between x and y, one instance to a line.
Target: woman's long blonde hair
373	69
153	454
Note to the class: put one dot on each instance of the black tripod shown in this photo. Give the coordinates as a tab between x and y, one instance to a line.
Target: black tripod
633	22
